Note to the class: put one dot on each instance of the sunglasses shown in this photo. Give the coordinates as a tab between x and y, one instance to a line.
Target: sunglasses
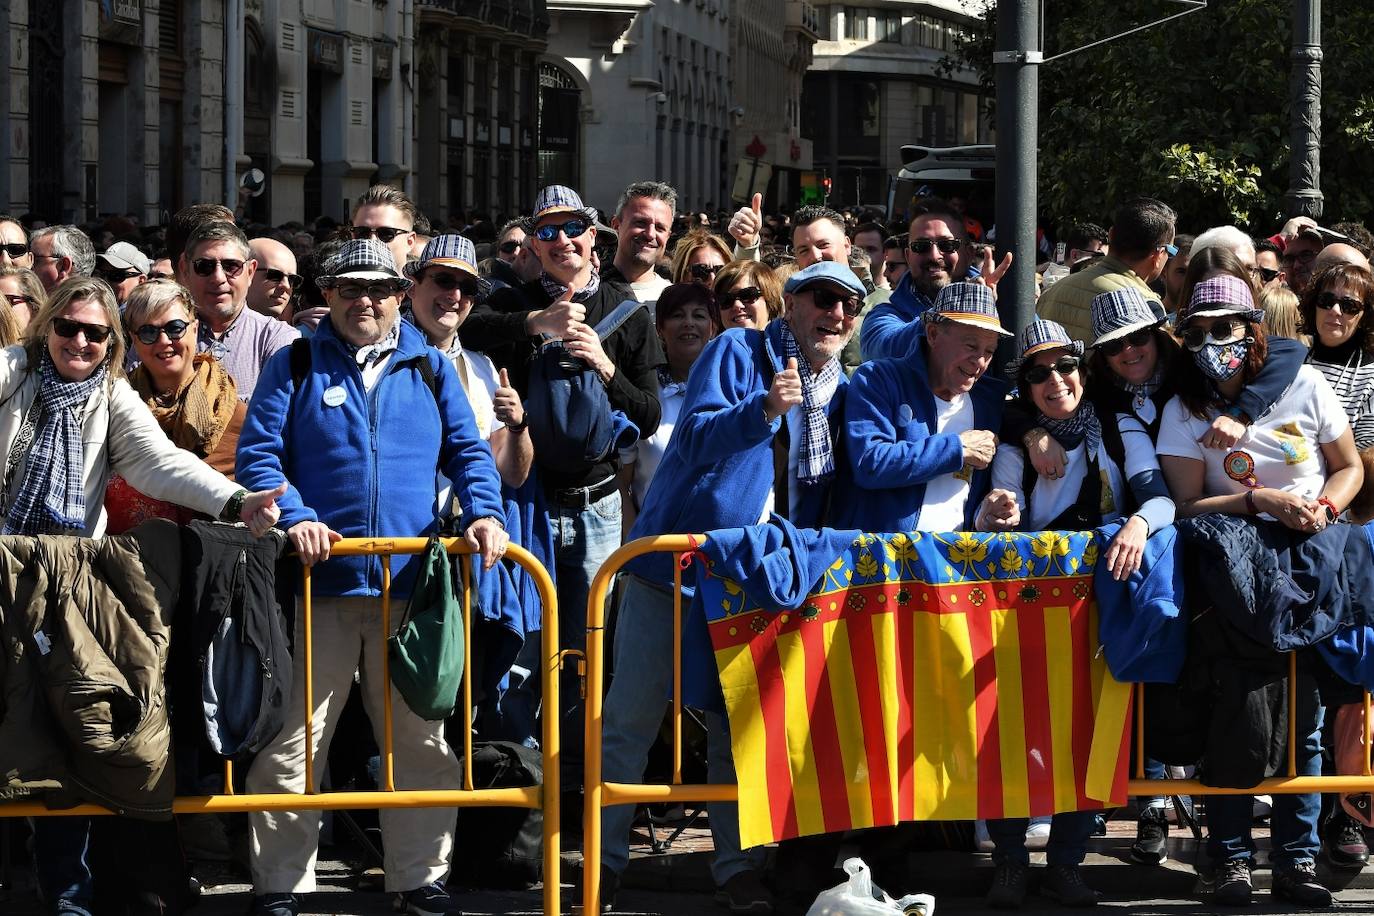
1348	305
375	291
15	250
117	276
924	246
1170	250
1134	339
572	229
174	329
1267	274
20	300
384	234
276	276
748	295
704	271
1195	336
205	267
511	247
448	283
95	333
1064	365
827	299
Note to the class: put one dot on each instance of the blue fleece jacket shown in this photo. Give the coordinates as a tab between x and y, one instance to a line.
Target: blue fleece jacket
891	329
717	470
894	449
365	462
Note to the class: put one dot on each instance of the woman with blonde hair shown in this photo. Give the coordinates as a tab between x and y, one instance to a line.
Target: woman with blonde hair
1281	316
698	257
24	296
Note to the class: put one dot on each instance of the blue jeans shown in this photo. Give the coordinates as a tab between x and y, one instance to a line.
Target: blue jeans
1293	820
59	858
583	539
1068	844
1154	769
634	709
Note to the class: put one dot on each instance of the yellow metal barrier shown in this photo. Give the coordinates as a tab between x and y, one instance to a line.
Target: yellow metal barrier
545	797
600	794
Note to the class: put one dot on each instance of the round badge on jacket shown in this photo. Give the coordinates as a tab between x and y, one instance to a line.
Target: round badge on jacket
904	414
334	396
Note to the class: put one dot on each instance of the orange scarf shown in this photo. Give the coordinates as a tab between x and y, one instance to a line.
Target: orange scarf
197	415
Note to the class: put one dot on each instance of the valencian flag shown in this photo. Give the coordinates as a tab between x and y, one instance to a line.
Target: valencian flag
926	677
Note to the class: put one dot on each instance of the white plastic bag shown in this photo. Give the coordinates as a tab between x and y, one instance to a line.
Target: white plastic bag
858	897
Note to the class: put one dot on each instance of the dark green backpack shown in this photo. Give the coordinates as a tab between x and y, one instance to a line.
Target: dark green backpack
427	651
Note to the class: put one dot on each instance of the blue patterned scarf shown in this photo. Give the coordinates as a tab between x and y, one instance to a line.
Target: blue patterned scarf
816	455
1082	425
555	289
52	497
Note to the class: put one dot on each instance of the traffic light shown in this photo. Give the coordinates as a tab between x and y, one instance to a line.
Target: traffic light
825	185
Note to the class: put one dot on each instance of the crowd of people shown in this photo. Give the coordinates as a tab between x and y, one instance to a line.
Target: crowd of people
379	378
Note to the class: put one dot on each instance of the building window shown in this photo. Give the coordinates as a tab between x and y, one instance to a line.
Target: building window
856	23
889	25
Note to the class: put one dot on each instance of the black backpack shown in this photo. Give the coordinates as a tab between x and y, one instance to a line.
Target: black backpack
500	847
567	404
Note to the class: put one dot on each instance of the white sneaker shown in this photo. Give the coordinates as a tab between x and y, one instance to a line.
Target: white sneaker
1038	833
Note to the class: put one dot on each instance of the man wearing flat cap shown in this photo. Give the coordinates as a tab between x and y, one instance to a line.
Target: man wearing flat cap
758	432
919	428
360	433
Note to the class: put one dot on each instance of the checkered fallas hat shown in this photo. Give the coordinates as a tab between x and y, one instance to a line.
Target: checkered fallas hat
362	259
967	303
1222	296
1124	311
1037	337
453	251
558	199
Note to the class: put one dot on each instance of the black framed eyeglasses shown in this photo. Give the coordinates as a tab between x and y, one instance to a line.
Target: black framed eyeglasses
174	329
1197	336
1064	365
1348	305
15	250
205	267
827	299
385	234
925	246
448	283
1134	339
704	271
747	295
1299	257
276	276
572	229
95	333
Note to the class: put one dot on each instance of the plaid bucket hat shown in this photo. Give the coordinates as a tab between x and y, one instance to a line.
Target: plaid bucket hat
557	199
1222	296
455	251
1037	337
1124	311
362	259
967	303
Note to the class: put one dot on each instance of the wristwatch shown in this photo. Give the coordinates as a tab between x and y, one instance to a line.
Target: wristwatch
234	507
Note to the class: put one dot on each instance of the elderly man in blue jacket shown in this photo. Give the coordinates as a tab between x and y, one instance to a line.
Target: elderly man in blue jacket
920	427
759	433
360	429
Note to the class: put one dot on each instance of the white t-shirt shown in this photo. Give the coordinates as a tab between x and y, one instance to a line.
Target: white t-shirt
648	288
482	380
1281	449
647	454
943	506
1050	498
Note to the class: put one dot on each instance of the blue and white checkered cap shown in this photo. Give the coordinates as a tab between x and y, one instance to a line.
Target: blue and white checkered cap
454	251
558	199
1041	335
1122	311
968	303
363	259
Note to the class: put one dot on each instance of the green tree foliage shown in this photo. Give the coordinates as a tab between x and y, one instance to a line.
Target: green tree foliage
1196	111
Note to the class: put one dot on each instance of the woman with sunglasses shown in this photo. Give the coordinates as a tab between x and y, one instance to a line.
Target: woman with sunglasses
1296	466
1336	312
24	295
698	257
68	422
445	290
1102	484
748	294
191	396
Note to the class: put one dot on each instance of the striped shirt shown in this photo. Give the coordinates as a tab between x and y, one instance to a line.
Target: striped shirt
1350	371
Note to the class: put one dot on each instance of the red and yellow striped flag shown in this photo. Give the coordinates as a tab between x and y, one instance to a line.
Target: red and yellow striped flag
927	677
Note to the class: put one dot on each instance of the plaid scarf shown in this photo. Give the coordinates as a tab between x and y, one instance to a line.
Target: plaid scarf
555	289
366	356
815	456
52	497
1082	425
1145	389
